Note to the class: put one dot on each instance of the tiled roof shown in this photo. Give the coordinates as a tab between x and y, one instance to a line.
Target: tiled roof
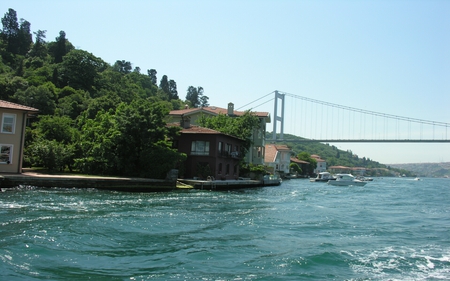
199	130
296	160
215	111
193	129
280	147
11	105
317	158
270	153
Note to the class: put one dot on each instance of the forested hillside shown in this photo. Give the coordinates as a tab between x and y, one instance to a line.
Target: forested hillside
94	116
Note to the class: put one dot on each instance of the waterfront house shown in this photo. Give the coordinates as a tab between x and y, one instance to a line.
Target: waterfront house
210	154
278	157
304	165
340	170
256	153
321	164
12	135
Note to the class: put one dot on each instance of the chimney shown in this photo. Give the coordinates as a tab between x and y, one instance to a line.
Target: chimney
230	111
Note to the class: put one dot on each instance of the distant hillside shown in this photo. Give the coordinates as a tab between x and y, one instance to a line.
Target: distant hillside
435	170
337	157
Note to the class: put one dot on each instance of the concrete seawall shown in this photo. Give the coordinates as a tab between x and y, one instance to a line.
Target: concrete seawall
74	181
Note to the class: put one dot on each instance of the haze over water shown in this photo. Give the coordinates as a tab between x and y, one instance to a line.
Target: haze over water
391	229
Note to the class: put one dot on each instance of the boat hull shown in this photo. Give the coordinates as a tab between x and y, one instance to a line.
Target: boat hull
346	183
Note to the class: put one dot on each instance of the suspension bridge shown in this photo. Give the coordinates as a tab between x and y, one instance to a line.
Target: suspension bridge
321	121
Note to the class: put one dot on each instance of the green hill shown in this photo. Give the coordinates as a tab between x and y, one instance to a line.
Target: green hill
434	170
336	157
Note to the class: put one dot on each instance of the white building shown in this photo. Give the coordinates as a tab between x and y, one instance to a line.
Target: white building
321	164
278	157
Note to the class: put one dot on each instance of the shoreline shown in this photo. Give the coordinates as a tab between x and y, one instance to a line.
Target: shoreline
132	184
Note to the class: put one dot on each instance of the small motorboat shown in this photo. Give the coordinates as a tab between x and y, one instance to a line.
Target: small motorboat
322	177
346	180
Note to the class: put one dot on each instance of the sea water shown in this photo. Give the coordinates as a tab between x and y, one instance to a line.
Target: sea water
390	229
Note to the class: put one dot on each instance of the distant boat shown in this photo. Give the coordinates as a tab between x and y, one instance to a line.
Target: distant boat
417	179
346	180
361	178
322	177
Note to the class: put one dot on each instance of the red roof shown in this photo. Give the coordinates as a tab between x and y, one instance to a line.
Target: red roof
202	130
272	149
296	160
215	111
11	105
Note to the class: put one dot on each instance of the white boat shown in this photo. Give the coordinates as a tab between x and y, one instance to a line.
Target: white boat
346	180
322	177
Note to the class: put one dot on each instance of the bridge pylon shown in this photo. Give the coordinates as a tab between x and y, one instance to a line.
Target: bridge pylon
277	118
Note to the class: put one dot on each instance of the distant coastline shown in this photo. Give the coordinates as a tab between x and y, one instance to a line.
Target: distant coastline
434	170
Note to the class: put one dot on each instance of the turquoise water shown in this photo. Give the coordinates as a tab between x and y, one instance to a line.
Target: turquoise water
391	229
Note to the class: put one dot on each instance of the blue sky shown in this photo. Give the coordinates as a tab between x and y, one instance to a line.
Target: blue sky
385	56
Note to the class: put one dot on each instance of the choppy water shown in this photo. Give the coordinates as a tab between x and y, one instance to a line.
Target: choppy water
391	229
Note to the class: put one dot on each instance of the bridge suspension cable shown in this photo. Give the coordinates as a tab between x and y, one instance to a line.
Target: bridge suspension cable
391	116
337	124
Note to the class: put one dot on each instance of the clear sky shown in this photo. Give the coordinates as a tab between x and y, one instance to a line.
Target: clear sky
387	56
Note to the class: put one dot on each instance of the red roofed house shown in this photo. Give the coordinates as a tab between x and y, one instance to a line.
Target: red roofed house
209	153
255	155
278	157
302	164
12	135
321	164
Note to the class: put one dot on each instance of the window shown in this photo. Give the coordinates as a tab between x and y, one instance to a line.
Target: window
220	168
220	146
228	148
6	153
8	123
200	148
227	172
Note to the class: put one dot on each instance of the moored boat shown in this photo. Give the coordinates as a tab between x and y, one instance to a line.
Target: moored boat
346	180
322	177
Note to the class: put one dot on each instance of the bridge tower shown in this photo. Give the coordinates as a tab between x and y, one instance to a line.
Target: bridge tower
277	118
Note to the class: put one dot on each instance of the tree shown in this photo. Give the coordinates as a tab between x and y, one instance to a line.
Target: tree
164	85
40	97
196	98
152	73
60	48
24	37
129	141
241	127
122	66
17	36
10	31
81	70
173	93
39	48
305	156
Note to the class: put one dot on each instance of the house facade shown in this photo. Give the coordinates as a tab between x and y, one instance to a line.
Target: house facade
278	157
321	164
302	164
210	154
190	116
12	135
